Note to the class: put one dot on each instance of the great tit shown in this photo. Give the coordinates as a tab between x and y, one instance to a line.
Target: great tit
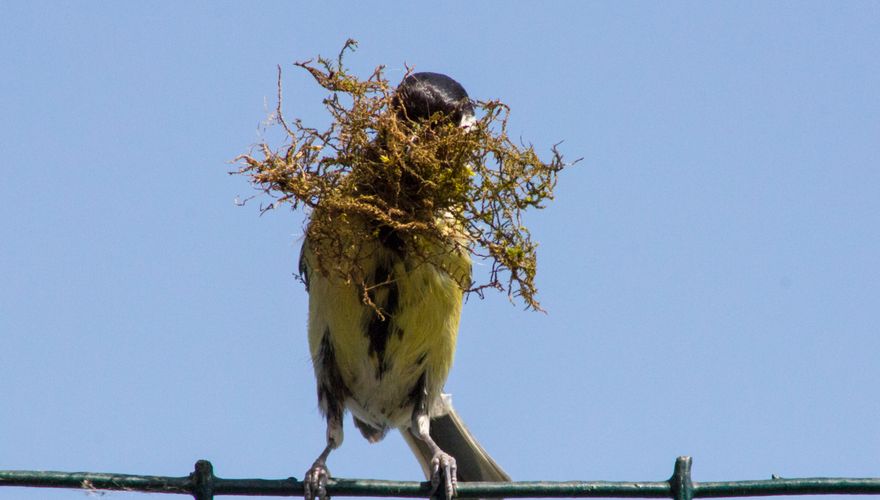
386	359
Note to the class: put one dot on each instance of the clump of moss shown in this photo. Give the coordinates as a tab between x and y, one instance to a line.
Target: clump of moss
425	182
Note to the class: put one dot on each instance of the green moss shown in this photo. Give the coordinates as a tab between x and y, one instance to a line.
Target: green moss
417	179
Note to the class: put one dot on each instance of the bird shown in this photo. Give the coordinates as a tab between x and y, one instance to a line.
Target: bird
387	362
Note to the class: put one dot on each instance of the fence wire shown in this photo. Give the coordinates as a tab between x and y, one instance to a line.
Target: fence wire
202	484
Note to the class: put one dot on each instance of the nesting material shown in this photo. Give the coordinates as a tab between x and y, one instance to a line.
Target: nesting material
433	185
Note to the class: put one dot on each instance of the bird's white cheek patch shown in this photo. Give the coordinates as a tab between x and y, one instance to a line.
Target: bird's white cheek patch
468	122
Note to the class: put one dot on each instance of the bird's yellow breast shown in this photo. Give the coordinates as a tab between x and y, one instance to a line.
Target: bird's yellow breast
382	352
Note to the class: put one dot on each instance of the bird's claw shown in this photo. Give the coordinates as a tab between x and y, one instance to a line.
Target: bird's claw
444	469
315	482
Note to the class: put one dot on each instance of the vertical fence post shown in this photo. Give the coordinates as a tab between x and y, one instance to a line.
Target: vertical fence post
680	482
202	479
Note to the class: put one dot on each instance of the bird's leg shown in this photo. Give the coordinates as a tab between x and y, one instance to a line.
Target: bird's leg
443	467
315	482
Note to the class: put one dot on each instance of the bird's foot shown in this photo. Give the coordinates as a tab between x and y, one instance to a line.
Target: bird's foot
316	481
444	472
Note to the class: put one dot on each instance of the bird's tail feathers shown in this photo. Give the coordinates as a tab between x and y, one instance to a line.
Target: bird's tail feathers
453	437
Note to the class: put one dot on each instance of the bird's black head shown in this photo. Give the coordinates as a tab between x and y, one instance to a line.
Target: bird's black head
421	95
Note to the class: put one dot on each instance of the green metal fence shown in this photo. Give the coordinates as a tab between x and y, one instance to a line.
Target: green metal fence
202	484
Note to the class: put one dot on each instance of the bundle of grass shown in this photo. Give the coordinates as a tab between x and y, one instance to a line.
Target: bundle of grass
436	186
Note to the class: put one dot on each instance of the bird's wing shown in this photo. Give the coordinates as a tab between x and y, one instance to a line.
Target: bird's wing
303	265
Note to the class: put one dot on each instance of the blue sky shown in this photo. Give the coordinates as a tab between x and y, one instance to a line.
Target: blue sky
711	269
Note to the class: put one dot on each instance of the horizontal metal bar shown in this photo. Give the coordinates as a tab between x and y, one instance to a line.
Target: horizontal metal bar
95	481
203	484
802	486
518	489
335	487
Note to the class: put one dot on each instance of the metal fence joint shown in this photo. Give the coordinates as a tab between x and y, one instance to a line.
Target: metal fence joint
681	483
203	480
